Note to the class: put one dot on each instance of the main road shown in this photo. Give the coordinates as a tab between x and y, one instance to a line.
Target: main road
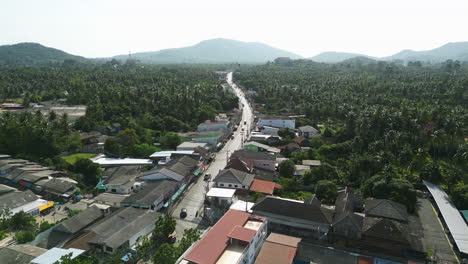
194	197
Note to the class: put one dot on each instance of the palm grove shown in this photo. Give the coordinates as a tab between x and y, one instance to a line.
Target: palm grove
387	127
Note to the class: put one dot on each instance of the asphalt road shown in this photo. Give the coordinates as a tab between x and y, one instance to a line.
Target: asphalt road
194	197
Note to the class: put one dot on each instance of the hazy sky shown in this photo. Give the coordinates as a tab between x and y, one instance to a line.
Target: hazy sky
100	28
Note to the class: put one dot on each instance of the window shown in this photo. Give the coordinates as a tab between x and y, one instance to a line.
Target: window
230	185
113	190
243	187
235	186
221	184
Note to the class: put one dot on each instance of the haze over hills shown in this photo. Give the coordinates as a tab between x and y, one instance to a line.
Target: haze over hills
334	57
449	51
30	54
214	51
221	51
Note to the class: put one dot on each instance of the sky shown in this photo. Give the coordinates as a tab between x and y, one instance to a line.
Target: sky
104	28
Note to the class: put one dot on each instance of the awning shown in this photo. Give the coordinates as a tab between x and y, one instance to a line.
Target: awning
45	206
176	195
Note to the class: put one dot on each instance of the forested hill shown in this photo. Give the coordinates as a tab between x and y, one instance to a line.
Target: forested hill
333	57
214	51
32	54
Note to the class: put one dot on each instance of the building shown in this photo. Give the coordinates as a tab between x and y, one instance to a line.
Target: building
111	199
21	201
56	187
164	157
308	132
260	147
261	160
212	138
119	231
235	238
192	146
71	228
220	197
120	179
153	195
278	249
452	218
277	121
54	255
268	130
20	254
213	126
265	187
299	218
113	162
231	178
240	164
300	169
181	170
302	141
311	163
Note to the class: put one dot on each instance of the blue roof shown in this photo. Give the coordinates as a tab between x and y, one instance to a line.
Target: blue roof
162	154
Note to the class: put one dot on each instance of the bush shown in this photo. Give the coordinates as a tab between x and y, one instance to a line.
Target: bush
24	236
326	191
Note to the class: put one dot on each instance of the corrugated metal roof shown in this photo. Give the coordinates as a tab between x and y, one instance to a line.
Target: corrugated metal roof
457	226
54	254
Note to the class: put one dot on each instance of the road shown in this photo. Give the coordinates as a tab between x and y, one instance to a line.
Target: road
194	197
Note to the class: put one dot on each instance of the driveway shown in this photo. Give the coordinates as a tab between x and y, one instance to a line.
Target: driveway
435	239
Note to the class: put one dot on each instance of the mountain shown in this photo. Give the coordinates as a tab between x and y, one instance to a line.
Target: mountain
31	54
214	51
449	51
334	57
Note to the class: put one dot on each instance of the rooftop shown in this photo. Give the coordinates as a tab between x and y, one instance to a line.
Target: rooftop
213	246
126	161
386	209
80	220
53	255
263	146
261	186
221	193
234	176
150	192
311	162
120	175
16	199
457	226
278	249
254	155
168	154
20	253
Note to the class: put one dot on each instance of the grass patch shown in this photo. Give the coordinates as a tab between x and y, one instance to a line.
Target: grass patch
71	159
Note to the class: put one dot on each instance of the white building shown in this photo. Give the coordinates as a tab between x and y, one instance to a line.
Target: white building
278	122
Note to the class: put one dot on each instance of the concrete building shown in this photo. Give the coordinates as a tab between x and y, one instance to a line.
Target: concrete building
231	178
212	126
277	121
235	238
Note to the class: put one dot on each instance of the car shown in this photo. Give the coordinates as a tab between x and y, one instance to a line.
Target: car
207	177
183	213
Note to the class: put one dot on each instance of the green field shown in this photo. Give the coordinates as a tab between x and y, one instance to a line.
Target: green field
71	159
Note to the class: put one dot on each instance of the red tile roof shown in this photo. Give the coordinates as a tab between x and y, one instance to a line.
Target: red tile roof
284	240
213	244
242	233
262	186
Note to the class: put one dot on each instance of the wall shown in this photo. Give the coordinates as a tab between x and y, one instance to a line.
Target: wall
226	185
133	240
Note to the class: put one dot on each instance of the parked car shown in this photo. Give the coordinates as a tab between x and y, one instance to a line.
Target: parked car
207	176
183	213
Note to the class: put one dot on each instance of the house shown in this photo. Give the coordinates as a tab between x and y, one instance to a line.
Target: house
383	208
347	223
231	178
240	164
308	132
220	197
235	238
111	199
62	188
72	227
212	138
152	195
212	126
54	255
302	141
260	147
21	201
311	163
192	146
120	179
119	231
265	187
262	160
291	147
181	170
300	169
163	157
277	121
268	130
299	218
257	137
20	253
278	249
